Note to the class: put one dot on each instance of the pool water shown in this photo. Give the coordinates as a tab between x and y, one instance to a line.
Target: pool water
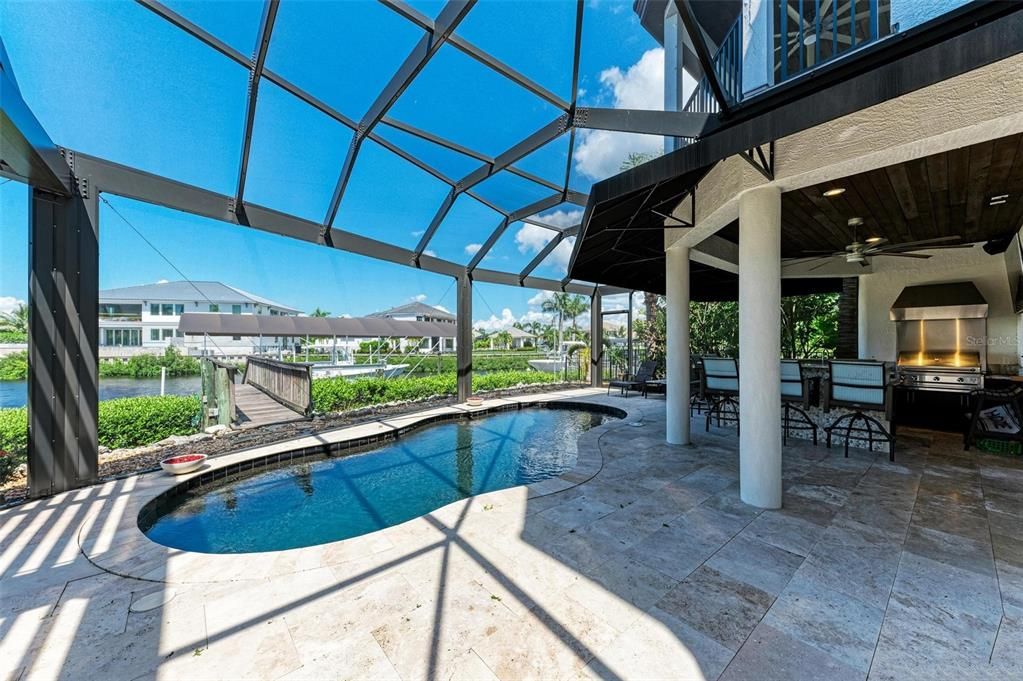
322	500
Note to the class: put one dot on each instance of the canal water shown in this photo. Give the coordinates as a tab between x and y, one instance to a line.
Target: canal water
14	393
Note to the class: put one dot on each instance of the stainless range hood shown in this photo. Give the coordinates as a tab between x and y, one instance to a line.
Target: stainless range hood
958	300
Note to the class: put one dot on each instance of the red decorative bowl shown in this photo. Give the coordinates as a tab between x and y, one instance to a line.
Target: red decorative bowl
186	463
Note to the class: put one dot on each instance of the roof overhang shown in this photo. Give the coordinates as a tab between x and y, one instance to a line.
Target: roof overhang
633	203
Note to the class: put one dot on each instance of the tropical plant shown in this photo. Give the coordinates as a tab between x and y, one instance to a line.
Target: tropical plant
319	313
504	339
15	321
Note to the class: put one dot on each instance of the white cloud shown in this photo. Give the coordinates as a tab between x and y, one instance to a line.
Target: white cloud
430	252
560	256
419	232
532	238
10	303
442	308
419	298
562	218
495	323
473	249
599	153
163	281
539	298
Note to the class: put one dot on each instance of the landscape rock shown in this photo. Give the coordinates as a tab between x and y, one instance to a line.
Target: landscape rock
218	429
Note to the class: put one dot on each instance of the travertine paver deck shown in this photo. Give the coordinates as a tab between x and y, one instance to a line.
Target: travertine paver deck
650	568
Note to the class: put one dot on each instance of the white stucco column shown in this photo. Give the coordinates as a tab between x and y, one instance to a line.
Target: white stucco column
862	312
677	351
760	347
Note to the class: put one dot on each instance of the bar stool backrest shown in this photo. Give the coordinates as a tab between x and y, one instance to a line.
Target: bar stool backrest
857	384
721	375
792	380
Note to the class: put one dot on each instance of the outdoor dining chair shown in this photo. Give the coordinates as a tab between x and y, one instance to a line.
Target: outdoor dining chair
719	387
859	386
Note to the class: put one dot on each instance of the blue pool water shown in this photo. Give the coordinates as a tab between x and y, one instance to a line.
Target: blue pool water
327	499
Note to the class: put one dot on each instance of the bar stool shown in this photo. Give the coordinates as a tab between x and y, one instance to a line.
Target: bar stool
795	391
859	386
719	386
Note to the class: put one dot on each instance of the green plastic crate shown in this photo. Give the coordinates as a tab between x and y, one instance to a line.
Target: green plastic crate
1000	446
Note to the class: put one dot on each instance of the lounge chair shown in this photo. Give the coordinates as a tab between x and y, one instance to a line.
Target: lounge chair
635	382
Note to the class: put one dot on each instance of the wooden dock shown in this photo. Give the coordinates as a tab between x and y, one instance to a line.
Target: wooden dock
256	408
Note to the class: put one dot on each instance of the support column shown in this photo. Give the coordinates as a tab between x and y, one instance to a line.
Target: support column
760	347
596	340
63	392
463	336
677	350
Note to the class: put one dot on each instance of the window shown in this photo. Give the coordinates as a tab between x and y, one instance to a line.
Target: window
236	309
167	310
179	310
237	338
154	334
154	310
167	333
214	307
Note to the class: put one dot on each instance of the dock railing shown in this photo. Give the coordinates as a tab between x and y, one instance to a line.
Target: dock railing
290	383
218	379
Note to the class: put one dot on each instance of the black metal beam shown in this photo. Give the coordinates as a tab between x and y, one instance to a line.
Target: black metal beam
515	216
665	123
63	347
542	255
114	178
706	59
448	19
266	27
463	336
488	60
27	153
763	163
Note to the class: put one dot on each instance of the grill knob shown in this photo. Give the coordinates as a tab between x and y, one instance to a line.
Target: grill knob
936	378
961	379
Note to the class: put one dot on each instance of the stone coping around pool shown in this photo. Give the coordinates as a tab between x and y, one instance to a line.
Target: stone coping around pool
111	540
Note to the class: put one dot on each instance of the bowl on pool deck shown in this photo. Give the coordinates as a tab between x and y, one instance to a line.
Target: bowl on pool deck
185	463
475	401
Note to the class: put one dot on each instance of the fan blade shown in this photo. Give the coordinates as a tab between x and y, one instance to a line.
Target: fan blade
918	256
821	252
799	261
817	267
931	248
922	242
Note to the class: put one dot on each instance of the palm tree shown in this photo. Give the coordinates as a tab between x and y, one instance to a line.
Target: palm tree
574	307
556	305
319	313
504	338
15	321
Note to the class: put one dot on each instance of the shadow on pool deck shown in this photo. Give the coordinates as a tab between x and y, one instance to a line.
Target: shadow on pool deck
652	569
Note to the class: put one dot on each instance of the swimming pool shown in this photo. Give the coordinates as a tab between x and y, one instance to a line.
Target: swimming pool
325	499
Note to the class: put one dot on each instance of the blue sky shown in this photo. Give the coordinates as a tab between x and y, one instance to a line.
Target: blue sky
126	85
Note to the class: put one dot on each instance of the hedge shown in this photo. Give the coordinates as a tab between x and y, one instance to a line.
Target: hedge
13	337
148	366
339	394
14	367
125	422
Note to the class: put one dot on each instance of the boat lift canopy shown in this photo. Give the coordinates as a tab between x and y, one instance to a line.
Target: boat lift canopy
199	323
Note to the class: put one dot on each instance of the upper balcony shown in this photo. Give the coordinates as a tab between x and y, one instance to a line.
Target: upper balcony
778	41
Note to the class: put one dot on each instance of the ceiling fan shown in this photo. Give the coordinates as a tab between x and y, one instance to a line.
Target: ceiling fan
859	251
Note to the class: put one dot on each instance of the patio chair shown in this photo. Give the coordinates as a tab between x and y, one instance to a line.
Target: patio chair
859	386
795	390
996	415
696	403
636	381
719	386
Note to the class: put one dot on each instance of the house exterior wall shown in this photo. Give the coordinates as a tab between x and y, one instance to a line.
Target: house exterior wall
879	290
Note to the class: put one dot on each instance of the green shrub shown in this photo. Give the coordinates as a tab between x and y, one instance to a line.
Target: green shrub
14	433
136	421
14	367
13	337
148	366
339	394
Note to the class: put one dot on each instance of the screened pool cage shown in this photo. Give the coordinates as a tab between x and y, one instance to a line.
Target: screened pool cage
528	182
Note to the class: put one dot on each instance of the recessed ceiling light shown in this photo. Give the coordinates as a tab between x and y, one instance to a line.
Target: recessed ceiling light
998	199
837	191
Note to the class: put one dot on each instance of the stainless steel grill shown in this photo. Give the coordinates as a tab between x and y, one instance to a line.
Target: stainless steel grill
941	337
